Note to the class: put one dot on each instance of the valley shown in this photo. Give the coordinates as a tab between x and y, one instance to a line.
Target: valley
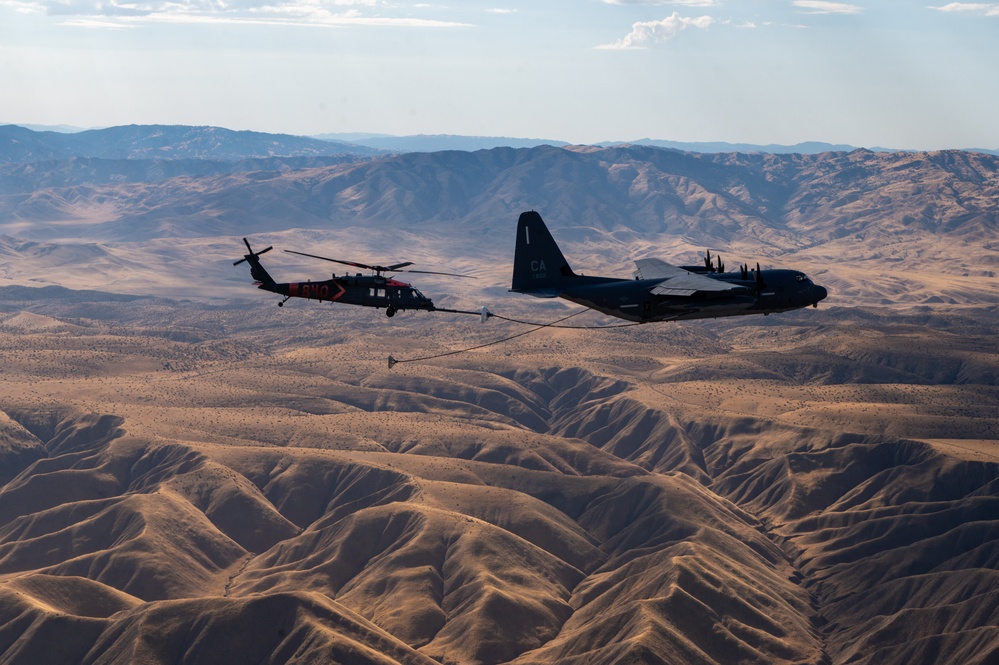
190	474
248	479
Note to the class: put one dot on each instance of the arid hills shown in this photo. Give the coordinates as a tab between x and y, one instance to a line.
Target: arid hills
190	474
906	228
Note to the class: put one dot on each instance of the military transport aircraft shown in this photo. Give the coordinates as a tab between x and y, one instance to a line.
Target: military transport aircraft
366	290
659	291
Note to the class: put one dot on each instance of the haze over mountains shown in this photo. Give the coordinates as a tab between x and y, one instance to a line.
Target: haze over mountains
18	144
159	141
215	478
878	217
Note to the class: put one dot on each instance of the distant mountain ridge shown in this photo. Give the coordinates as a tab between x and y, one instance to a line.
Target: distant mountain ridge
26	177
805	148
21	145
877	227
30	144
440	142
648	190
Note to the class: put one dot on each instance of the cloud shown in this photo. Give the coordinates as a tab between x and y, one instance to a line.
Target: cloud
657	32
684	3
988	10
95	23
823	7
129	13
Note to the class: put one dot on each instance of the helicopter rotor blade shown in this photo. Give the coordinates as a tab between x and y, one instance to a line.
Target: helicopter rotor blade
449	274
395	267
346	263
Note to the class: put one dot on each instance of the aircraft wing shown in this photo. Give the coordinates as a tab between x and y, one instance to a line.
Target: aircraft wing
679	282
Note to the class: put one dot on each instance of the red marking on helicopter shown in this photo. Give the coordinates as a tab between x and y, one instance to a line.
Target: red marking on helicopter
316	291
395	282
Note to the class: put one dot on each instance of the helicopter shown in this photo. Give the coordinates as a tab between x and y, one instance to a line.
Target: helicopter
375	290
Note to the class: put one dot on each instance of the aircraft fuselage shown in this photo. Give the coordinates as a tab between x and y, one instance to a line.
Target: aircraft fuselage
364	290
632	300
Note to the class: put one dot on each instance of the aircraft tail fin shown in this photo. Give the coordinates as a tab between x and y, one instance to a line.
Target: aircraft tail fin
539	268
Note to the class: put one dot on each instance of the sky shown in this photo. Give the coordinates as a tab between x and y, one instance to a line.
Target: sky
887	73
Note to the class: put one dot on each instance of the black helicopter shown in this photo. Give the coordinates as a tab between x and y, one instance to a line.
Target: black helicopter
660	291
375	290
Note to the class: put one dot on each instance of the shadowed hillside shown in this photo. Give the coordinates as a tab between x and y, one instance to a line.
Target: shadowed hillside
877	228
191	483
219	479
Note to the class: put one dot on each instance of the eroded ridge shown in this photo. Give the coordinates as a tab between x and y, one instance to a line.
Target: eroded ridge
184	494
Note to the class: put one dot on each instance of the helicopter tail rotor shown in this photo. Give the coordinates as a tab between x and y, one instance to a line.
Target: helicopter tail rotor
257	271
251	254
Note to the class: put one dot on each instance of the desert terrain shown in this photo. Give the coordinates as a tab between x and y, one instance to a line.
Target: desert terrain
184	482
191	474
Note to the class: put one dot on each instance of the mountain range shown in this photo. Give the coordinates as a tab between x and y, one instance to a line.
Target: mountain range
897	227
189	473
20	143
168	142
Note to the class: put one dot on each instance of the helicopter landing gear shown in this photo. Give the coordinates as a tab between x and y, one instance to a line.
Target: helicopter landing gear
281	304
390	312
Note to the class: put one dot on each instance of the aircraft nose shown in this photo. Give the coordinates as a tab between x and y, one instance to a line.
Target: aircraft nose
820	293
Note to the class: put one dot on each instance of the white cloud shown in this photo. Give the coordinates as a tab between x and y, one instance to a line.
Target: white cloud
657	32
684	3
94	23
823	7
129	13
988	10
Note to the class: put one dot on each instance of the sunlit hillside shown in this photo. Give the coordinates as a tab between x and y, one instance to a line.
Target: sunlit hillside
197	483
190	474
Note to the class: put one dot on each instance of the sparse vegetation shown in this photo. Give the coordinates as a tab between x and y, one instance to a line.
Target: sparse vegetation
595	496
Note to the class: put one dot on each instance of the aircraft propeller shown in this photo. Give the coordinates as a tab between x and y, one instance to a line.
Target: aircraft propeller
251	252
718	267
758	276
396	267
